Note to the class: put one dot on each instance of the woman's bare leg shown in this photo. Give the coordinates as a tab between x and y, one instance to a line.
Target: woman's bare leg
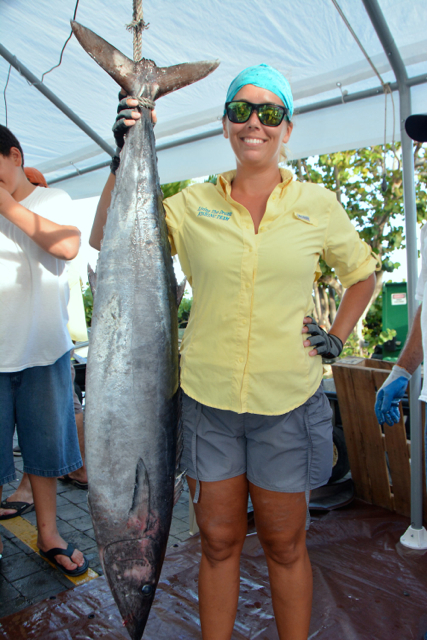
222	520
280	521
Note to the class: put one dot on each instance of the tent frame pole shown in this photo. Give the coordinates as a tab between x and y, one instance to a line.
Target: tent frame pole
38	84
414	537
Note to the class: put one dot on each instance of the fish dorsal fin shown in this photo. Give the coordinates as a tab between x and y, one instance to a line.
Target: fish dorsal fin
140	509
132	76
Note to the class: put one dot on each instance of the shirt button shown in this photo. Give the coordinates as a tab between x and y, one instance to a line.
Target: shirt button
248	226
250	249
247	285
240	359
244	321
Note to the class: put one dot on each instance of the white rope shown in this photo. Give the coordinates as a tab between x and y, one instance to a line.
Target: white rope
146	102
137	26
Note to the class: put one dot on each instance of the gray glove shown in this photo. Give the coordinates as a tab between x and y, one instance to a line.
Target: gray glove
327	345
120	129
124	112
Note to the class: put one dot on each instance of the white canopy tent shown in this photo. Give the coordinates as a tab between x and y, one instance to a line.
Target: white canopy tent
339	99
306	39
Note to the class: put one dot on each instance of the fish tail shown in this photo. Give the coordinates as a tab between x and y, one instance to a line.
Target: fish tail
142	78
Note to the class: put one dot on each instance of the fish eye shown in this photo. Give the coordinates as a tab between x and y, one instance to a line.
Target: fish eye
147	590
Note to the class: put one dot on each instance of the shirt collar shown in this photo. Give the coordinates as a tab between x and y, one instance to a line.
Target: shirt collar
225	179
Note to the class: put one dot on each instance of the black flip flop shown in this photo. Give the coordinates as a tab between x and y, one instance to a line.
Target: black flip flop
50	555
21	508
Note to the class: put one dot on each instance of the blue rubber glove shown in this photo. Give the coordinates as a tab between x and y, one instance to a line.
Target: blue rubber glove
390	395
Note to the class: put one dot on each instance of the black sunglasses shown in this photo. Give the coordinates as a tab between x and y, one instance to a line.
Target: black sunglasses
271	115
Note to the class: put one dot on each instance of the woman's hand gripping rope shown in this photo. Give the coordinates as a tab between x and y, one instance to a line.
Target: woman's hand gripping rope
126	118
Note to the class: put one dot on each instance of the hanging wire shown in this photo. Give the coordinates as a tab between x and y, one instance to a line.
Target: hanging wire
137	26
46	72
350	28
65	44
386	89
4	91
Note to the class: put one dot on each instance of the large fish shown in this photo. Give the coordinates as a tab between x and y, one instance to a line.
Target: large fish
132	373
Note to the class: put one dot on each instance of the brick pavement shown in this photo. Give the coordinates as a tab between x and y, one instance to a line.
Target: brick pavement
25	578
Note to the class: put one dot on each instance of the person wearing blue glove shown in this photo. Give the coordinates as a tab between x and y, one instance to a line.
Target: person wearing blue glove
390	395
394	388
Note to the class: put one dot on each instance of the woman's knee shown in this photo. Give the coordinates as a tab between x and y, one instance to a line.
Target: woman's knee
221	544
284	550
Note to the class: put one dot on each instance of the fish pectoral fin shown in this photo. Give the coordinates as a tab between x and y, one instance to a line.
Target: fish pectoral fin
113	61
180	291
140	508
180	75
92	277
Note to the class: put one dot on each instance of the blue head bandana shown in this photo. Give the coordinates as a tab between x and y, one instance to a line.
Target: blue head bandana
265	77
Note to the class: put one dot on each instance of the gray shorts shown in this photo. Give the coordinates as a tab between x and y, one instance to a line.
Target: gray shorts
288	453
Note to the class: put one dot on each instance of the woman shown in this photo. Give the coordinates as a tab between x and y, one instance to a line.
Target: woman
255	418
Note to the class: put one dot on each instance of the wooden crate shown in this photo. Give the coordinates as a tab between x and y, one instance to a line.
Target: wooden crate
379	456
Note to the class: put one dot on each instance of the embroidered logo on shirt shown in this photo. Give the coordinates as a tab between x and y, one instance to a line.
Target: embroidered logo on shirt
304	218
214	213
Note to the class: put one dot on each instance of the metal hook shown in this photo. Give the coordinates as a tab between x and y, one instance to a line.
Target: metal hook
343	92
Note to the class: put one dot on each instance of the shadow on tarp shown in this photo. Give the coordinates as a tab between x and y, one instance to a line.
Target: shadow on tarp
366	587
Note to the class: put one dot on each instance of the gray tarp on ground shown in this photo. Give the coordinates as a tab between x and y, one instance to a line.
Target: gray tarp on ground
366	587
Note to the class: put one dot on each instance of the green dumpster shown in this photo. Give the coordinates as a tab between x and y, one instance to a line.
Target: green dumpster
395	316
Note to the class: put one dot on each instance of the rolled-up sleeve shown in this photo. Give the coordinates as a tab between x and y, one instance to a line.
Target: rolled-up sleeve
344	250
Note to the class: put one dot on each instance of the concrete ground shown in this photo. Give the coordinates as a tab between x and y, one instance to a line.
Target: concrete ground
25	578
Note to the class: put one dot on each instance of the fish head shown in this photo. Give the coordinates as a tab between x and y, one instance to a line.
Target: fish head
132	569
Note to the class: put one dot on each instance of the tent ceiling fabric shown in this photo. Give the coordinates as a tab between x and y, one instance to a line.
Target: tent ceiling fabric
306	40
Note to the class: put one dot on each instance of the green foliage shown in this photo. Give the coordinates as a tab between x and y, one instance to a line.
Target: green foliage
171	188
372	199
372	340
374	318
184	312
373	327
351	347
212	179
88	304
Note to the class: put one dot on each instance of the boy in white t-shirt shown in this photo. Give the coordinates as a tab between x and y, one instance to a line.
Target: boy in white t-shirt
37	240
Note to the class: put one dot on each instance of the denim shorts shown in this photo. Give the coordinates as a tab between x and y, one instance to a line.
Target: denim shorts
39	401
288	453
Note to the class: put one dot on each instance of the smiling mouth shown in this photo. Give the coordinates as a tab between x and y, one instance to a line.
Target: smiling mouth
253	141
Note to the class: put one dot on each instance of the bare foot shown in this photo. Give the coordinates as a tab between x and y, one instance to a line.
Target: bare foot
76	560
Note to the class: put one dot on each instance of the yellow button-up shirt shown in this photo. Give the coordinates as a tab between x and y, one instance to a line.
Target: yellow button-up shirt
243	348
